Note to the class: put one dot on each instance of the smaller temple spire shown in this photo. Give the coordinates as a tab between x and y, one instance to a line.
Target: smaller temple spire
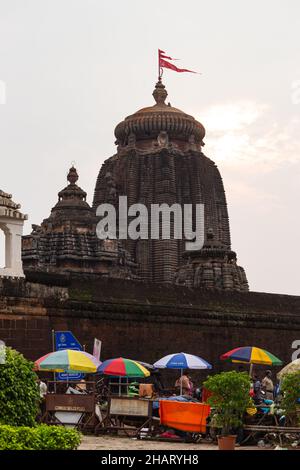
160	93
72	192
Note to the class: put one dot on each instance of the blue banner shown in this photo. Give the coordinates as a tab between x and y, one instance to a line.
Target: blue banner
66	340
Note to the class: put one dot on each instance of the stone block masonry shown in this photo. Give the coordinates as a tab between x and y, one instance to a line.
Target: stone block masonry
143	320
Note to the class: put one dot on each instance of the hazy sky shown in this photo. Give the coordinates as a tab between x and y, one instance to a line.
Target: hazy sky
74	68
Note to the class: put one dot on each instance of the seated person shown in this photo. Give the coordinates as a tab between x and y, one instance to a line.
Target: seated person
184	385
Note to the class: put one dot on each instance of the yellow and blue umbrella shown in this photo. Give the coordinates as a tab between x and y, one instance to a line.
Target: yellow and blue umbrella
251	355
68	361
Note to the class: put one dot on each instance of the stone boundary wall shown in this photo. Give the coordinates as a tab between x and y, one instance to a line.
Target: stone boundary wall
144	321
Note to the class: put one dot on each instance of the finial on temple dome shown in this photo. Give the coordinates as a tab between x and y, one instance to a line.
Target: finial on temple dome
72	175
160	93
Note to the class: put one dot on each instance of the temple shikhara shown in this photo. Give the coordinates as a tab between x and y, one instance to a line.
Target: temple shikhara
138	295
67	240
159	160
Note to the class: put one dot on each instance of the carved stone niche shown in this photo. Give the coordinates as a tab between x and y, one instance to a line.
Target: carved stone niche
163	139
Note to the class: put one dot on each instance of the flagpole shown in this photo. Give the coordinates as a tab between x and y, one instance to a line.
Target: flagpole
159	66
53	349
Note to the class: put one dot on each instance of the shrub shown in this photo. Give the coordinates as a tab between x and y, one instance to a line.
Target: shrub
230	398
19	394
57	438
290	388
41	437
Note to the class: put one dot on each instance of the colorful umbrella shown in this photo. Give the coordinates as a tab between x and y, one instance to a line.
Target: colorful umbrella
68	361
120	367
182	361
289	369
251	355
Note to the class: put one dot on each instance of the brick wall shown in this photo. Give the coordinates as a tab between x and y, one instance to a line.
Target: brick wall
143	321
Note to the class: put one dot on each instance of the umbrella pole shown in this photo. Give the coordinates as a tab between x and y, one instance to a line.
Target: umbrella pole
53	349
251	370
181	373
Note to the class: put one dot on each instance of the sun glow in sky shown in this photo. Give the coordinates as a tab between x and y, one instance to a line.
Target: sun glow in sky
233	137
232	116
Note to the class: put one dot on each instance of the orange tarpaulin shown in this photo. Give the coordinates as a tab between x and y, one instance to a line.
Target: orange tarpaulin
190	417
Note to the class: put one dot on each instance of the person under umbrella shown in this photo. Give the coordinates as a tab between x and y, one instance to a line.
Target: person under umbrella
184	384
182	361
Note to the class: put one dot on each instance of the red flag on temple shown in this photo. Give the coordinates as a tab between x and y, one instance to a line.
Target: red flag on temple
163	56
162	63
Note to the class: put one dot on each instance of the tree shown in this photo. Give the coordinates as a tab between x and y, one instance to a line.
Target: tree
230	398
290	388
19	393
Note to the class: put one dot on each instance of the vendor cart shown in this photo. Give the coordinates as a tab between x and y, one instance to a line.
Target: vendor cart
266	425
76	409
188	417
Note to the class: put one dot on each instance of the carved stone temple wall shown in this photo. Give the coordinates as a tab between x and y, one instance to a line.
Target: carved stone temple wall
143	298
159	160
67	241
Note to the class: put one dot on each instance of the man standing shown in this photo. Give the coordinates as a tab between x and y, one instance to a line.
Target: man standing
268	386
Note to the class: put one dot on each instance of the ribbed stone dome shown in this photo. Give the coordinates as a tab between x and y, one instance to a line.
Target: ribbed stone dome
147	123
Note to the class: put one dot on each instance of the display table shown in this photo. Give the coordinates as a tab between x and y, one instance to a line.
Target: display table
127	414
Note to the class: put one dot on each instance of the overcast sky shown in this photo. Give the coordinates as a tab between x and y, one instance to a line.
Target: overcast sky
74	68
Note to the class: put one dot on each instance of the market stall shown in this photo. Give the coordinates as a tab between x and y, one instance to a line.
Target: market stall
78	409
70	403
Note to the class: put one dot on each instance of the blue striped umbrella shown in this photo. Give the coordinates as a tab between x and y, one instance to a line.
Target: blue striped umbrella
182	361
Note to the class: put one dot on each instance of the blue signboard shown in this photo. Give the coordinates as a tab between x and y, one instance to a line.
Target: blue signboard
66	340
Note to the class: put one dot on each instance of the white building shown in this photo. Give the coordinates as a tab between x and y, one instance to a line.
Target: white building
11	223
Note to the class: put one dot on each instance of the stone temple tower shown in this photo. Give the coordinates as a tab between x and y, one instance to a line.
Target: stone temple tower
66	242
159	160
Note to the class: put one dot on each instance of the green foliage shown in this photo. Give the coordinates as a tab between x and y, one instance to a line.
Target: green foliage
41	437
19	394
230	398
57	438
290	388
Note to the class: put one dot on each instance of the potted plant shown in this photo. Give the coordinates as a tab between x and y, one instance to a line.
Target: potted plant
229	400
290	389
